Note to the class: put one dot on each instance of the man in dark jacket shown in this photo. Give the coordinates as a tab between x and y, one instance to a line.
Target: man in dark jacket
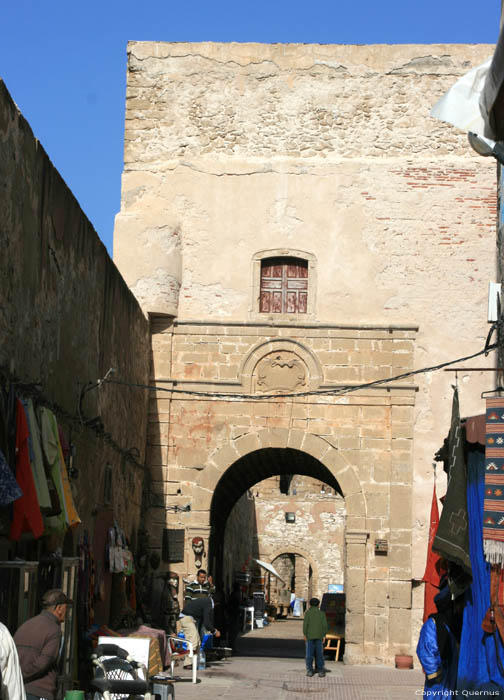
38	643
315	628
197	613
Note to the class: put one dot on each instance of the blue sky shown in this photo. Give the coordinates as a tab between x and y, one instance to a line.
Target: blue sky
64	63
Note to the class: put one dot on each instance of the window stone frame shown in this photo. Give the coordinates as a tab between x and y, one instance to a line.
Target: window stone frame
254	312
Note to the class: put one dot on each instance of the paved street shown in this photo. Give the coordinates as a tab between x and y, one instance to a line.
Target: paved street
269	666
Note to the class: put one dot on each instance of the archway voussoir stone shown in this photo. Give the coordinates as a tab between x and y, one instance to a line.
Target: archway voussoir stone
225	456
349	482
247	443
201	498
295	439
212	463
273	437
278	437
333	460
315	446
209	477
356	505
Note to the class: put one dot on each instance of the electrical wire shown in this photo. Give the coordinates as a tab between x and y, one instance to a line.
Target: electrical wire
33	390
335	391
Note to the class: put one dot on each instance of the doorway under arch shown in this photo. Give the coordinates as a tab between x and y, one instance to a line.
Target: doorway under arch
297	574
238	464
309	571
249	470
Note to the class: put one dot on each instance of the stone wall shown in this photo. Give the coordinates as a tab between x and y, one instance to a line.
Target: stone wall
257	528
364	439
317	536
237	152
236	149
66	317
240	539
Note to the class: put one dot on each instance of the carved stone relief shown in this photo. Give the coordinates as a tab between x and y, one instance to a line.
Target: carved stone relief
281	371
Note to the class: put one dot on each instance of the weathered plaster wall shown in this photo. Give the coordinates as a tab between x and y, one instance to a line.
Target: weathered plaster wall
256	528
231	149
66	317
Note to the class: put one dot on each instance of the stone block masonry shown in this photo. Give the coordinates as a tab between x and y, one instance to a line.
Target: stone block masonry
235	153
353	436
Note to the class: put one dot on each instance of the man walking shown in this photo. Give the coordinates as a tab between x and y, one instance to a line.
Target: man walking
38	642
315	629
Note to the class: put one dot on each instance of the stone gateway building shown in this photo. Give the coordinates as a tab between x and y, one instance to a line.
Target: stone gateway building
297	227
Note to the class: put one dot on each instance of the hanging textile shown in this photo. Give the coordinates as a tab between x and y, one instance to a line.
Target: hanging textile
434	568
26	511
478	667
54	456
8	425
452	537
493	507
37	461
9	487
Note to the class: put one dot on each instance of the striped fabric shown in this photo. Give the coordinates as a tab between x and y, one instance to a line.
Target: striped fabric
493	507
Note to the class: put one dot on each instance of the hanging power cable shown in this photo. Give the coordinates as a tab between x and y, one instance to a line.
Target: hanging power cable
336	391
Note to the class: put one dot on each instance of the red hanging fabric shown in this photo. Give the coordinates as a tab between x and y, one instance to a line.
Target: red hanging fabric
433	568
26	510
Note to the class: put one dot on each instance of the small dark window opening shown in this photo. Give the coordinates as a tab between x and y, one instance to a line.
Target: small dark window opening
173	545
284	286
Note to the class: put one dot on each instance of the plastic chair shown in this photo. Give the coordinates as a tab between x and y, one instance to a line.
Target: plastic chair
180	648
116	675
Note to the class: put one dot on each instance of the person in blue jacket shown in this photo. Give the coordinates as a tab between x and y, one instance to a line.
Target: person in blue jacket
438	647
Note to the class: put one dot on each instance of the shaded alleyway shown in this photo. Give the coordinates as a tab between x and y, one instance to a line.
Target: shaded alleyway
281	639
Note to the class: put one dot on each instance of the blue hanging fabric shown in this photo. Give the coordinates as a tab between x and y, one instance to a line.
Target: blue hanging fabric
478	668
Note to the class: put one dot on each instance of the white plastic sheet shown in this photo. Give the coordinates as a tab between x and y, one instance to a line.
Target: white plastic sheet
460	106
270	568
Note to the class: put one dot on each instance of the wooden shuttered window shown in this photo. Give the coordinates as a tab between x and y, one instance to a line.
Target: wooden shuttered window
284	286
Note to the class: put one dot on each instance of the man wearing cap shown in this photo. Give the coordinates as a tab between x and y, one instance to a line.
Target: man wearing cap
38	642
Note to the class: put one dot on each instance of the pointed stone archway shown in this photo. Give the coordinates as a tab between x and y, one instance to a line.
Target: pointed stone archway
321	450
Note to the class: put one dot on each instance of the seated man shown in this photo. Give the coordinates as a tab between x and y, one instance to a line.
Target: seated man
196	613
38	642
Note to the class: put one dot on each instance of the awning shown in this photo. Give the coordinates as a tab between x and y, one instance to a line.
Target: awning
270	568
475	428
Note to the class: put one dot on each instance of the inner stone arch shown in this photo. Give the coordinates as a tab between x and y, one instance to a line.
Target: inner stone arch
309	587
